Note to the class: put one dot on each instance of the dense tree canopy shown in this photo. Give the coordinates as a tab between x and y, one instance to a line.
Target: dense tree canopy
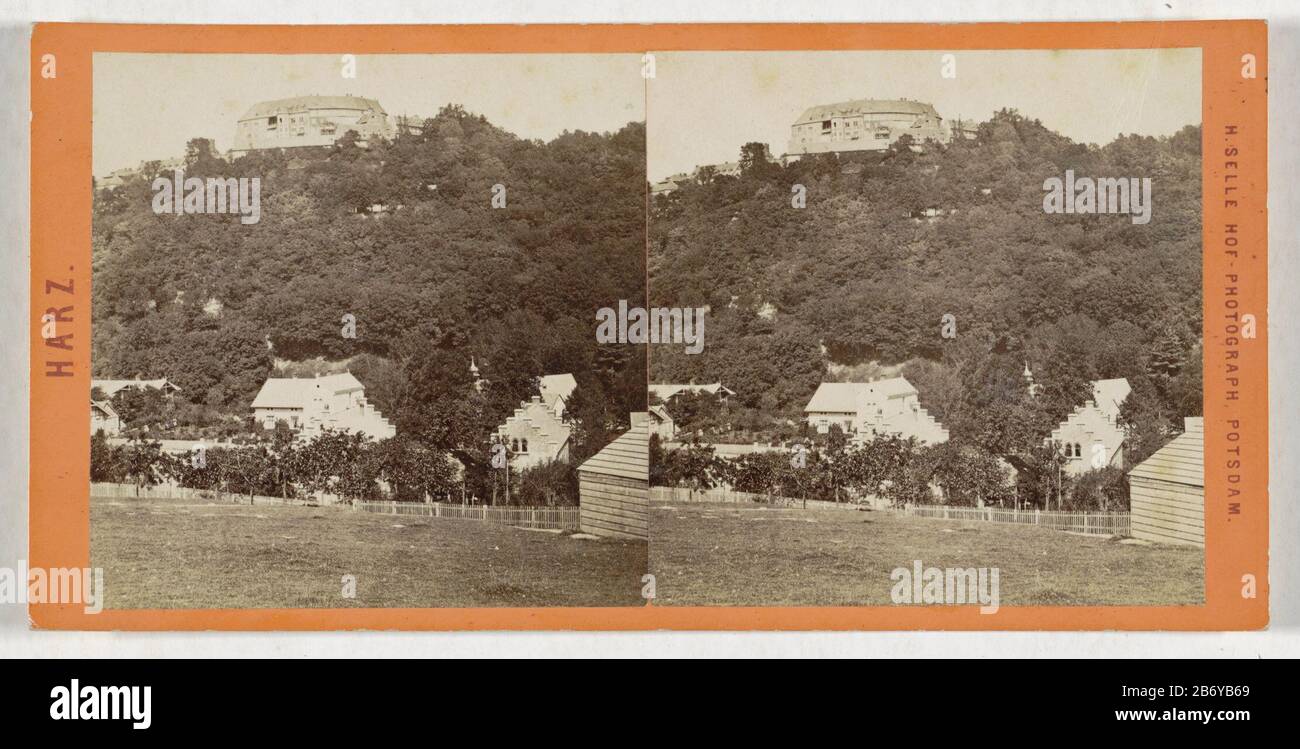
891	242
403	236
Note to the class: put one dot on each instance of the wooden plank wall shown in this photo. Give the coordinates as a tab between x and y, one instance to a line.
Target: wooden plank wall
614	505
1166	511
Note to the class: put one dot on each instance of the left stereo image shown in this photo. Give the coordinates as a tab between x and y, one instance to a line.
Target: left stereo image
344	342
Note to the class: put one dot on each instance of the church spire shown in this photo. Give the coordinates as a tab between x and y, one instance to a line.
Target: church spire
473	373
1028	377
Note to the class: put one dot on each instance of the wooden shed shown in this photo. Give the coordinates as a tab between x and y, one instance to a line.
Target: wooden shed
614	485
1167	490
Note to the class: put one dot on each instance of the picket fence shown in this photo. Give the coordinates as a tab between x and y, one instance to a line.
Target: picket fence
544	518
1091	523
172	491
684	494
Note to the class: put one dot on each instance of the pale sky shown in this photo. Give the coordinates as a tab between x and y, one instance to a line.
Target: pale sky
147	106
703	106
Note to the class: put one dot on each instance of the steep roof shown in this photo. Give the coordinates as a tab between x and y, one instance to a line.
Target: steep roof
542	418
111	387
846	397
557	387
866	106
661	412
666	391
1109	395
1182	461
307	103
840	397
297	392
105	408
628	456
890	387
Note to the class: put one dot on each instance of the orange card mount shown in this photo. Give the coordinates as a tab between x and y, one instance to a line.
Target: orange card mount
195	338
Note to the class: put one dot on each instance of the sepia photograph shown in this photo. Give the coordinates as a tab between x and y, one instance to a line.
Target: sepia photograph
343	312
950	307
663	331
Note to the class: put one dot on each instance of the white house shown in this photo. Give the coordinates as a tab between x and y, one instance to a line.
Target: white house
661	423
1092	437
865	410
534	434
667	392
539	431
311	404
104	417
111	387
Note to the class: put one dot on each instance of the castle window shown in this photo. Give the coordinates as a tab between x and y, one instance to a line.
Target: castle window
523	446
514	446
272	122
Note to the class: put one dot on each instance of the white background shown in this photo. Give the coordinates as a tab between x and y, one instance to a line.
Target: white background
1282	638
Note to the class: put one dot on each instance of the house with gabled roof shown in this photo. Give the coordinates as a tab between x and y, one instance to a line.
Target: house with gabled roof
112	387
310	405
666	391
866	410
661	423
539	429
103	417
1091	437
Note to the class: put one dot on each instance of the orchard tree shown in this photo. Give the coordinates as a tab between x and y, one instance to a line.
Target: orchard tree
142	461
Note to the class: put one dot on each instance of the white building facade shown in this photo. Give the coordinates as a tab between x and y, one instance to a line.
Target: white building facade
309	121
310	405
539	430
1091	437
866	410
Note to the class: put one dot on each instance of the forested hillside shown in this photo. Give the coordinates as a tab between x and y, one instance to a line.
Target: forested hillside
402	235
859	280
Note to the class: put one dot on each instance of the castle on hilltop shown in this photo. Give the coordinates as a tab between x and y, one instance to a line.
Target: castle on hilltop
309	121
844	127
295	122
870	125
